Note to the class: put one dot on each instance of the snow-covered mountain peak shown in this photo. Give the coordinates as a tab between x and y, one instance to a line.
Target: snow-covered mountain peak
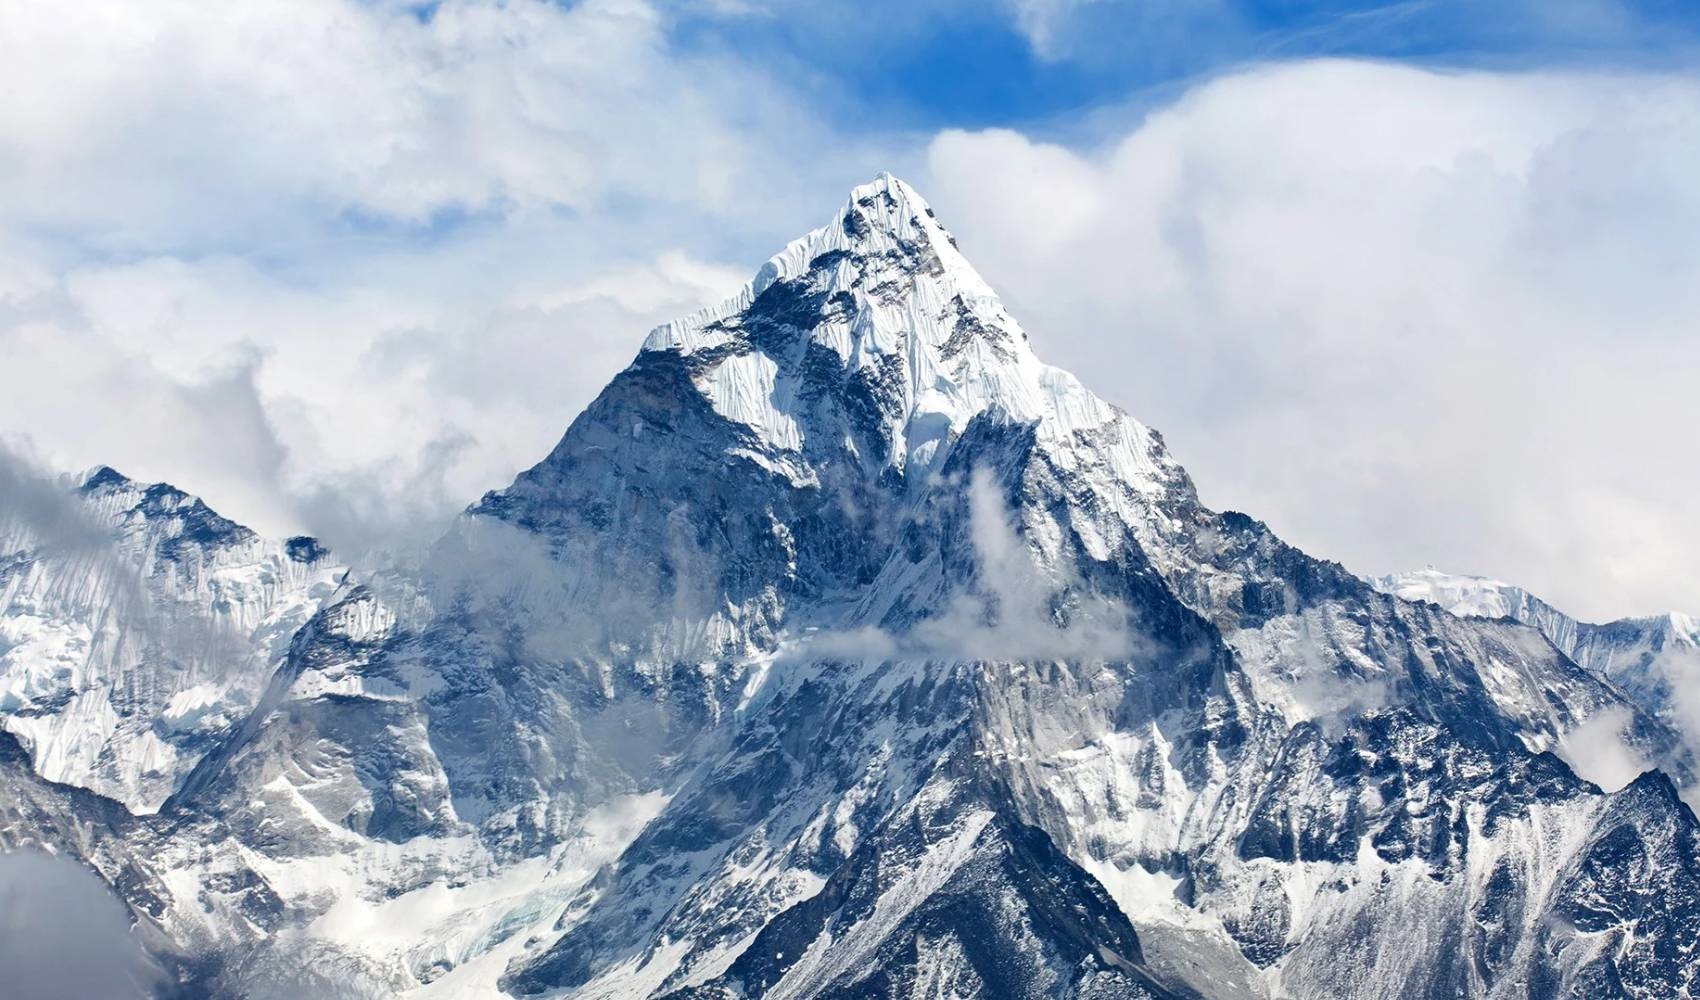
881	307
842	649
882	217
1482	597
177	521
1675	627
102	477
1461	594
1654	659
835	386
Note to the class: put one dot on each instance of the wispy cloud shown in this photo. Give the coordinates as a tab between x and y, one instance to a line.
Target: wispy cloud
1021	608
1597	751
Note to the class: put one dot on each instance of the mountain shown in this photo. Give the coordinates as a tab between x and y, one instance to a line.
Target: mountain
137	628
1654	660
1480	597
841	648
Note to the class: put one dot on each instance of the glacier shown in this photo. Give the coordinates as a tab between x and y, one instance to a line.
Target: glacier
840	648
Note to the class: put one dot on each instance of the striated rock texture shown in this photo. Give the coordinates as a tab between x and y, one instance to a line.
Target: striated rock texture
841	648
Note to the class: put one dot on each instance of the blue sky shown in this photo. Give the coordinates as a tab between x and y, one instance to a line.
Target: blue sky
1412	282
978	64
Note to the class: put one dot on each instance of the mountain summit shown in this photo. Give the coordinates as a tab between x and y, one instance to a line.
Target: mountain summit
804	420
843	649
879	310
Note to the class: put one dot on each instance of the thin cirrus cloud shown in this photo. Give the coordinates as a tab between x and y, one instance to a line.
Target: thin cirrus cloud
343	266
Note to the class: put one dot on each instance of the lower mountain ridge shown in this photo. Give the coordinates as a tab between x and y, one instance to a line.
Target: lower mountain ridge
843	649
1653	660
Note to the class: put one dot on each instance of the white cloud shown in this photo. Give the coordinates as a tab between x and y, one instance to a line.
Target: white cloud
1408	317
225	259
63	933
140	124
1597	752
1038	21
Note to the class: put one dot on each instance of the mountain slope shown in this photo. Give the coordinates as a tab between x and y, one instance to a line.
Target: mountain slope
139	629
841	648
1654	660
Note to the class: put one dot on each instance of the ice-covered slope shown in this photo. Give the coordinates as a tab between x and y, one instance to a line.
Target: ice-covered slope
843	649
131	644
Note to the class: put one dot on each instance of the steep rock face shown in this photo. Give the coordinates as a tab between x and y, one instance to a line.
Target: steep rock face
841	648
1655	660
132	642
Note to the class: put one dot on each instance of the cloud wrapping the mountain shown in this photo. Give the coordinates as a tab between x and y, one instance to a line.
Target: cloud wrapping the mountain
1016	612
1597	751
36	509
1405	316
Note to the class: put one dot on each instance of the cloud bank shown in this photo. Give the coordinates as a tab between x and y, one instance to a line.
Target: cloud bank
340	267
1407	317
